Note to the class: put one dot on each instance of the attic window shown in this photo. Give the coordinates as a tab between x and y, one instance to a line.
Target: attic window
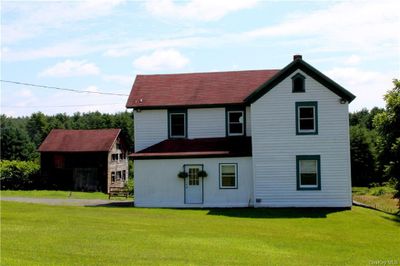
298	83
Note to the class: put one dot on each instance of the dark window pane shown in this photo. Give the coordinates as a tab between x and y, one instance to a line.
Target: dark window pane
177	124
236	117
235	128
307	124
298	85
308	179
228	181
306	112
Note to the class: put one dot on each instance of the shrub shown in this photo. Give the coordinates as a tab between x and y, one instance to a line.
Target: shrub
19	174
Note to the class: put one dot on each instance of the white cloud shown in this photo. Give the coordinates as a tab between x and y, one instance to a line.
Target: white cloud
70	68
25	93
120	79
353	60
161	60
368	86
366	26
33	19
16	103
202	10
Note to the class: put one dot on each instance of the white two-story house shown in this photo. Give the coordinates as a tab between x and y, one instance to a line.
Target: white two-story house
262	138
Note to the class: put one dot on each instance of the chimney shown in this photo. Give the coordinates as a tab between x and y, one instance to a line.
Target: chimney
297	56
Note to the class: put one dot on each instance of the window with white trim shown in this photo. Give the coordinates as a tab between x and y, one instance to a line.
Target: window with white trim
177	125
228	175
306	118
235	123
308	172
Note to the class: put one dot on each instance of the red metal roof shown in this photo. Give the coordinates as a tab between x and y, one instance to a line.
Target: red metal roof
68	140
192	89
205	147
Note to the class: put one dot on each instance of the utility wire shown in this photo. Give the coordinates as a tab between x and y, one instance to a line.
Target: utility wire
54	106
63	89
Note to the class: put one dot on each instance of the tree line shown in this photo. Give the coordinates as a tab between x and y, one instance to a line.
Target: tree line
375	143
21	136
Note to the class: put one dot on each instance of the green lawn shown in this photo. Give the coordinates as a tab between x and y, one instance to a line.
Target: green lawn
34	234
55	194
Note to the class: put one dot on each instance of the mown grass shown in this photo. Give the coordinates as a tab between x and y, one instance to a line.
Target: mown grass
377	197
34	234
56	194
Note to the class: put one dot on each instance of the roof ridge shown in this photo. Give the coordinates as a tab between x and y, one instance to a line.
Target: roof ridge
211	72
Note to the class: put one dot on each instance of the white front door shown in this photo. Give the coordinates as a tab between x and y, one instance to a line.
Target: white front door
193	186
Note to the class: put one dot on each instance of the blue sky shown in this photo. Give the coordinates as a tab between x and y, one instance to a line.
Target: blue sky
102	45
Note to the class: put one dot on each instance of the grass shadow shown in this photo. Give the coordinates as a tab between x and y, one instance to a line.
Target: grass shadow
114	204
393	218
272	213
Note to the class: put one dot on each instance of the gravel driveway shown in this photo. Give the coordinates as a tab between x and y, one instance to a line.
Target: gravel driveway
72	202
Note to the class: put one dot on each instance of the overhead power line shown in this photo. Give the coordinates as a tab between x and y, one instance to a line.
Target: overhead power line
55	106
63	89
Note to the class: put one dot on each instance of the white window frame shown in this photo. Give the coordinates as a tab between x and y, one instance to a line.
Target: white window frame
220	176
229	123
170	125
314	130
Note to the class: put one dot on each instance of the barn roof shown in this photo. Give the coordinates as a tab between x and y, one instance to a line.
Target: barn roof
68	140
195	148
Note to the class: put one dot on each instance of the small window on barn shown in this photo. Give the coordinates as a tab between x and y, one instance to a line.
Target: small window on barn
59	161
228	175
114	157
112	177
308	172
118	176
298	83
123	175
121	156
235	123
177	124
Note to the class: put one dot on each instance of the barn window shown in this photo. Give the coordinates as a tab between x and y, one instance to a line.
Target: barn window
123	175
177	124
112	177
298	83
306	118
118	176
308	172
59	161
227	175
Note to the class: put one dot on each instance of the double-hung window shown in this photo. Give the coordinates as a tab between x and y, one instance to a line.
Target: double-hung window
306	118
177	124
235	123
308	172
228	175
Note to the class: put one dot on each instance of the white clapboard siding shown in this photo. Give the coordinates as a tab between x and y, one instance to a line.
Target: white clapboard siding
150	127
248	121
275	146
157	184
206	123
